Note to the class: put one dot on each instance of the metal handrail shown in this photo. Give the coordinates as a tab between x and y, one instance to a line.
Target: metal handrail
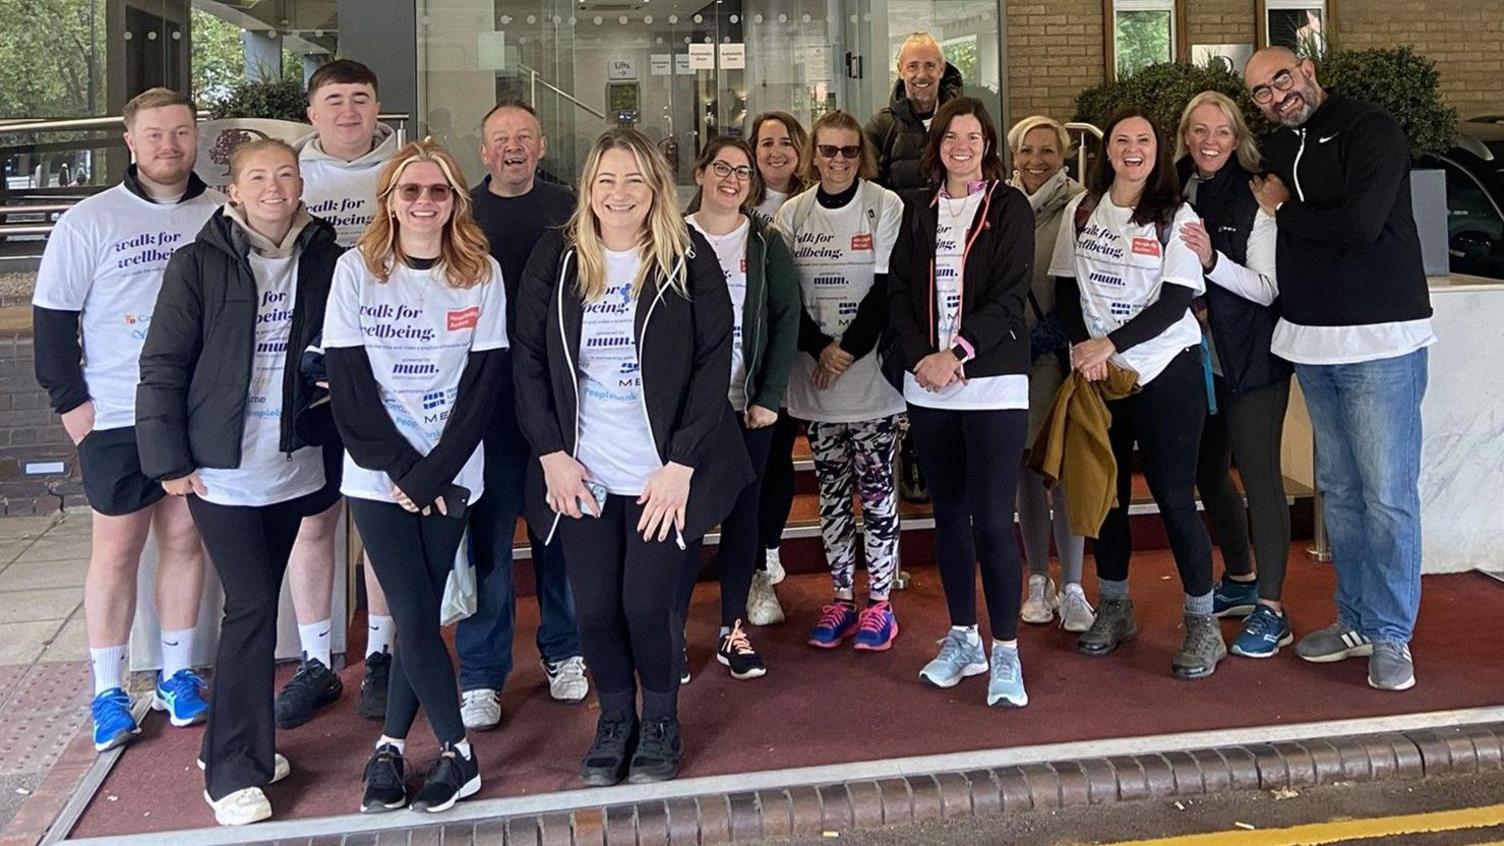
36	209
533	91
1083	128
115	121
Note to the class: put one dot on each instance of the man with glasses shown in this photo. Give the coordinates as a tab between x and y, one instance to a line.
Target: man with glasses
514	208
1356	323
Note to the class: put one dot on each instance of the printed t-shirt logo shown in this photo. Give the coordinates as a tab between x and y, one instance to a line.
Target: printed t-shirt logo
433	399
1145	247
829	281
862	241
1105	279
744	265
608	341
414	368
463	318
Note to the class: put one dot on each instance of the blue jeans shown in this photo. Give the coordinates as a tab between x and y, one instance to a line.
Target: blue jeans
1366	418
484	639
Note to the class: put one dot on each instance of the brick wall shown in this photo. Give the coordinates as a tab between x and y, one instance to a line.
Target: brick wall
30	433
1464	37
1055	50
1219	22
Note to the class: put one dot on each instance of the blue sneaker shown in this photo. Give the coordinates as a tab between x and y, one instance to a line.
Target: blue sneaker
1264	632
113	723
182	697
837	622
1234	599
877	628
1006	685
960	656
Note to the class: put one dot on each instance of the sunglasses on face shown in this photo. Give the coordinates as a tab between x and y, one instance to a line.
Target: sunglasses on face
830	151
723	170
411	191
1282	81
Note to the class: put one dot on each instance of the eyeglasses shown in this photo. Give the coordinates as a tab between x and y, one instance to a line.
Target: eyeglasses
830	151
411	191
1283	80
723	170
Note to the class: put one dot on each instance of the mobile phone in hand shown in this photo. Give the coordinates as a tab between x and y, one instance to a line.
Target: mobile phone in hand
456	501
598	493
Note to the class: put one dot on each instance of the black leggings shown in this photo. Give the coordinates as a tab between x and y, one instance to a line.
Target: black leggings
1248	428
625	596
413	556
777	496
970	461
1165	418
249	547
740	552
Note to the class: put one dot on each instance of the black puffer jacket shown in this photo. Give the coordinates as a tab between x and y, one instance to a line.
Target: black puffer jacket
899	135
1242	329
197	360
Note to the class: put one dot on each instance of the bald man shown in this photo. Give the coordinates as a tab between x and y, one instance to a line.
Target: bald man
1356	322
900	129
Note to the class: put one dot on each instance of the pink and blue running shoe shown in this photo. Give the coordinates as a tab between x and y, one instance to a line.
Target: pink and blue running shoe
838	621
877	628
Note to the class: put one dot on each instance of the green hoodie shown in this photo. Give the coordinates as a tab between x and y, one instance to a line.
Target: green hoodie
770	318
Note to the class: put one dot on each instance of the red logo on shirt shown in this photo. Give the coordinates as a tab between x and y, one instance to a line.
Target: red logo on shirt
1145	247
463	318
744	266
861	242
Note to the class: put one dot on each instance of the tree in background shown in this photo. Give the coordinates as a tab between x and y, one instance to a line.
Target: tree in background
51	59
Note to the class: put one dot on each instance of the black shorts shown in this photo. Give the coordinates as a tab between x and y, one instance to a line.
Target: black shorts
111	468
334	469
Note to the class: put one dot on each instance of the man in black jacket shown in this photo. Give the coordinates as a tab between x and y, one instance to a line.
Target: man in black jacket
900	129
1356	324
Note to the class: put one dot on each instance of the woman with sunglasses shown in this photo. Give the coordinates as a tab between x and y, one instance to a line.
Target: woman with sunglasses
414	332
960	273
764	294
624	339
779	142
842	232
216	404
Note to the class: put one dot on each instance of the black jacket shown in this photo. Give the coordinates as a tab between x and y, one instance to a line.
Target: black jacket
998	272
1242	329
1348	253
899	136
685	351
197	360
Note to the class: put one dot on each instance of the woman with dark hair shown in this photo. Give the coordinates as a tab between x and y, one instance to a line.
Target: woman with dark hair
1125	286
1236	246
764	293
624	339
415	331
956	288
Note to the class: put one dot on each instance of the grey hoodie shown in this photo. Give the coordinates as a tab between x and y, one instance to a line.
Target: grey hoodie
341	192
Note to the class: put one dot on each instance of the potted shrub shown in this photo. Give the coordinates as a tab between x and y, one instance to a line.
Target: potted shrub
251	109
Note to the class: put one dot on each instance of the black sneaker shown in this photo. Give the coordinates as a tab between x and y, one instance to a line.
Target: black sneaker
606	762
684	674
658	752
451	778
386	789
312	688
373	686
737	654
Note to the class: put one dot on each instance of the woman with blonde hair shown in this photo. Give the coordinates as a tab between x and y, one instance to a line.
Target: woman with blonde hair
624	338
1216	154
1040	146
414	333
779	142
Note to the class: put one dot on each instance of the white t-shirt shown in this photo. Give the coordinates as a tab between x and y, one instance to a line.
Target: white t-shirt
731	250
1119	267
418	333
987	393
267	475
772	201
105	259
614	444
837	253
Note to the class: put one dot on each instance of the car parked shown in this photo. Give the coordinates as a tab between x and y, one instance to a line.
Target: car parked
1474	167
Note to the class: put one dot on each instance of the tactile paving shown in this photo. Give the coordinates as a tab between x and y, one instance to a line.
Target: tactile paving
50	689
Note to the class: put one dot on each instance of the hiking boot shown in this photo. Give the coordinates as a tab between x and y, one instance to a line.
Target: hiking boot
1112	628
1201	649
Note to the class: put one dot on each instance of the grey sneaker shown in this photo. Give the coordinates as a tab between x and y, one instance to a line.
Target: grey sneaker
1334	643
960	656
1201	649
1113	627
1390	667
1006	684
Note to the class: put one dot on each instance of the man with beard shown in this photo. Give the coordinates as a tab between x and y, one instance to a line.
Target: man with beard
1356	321
514	208
95	292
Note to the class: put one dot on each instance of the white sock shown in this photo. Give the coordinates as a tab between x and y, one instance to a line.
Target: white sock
381	631
1011	645
109	667
464	748
177	651
399	745
315	640
969	631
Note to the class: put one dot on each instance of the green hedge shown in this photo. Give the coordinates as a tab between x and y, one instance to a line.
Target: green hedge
281	99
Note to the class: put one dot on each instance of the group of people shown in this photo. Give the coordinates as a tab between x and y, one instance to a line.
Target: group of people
354	322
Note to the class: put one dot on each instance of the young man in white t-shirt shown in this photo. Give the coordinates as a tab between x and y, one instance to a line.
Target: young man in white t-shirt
340	163
95	292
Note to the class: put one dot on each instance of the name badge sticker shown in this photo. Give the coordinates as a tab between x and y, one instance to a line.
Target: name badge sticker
861	242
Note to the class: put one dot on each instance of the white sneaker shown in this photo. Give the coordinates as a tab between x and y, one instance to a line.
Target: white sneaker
480	709
280	768
566	679
1039	606
1076	614
774	566
762	603
243	807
